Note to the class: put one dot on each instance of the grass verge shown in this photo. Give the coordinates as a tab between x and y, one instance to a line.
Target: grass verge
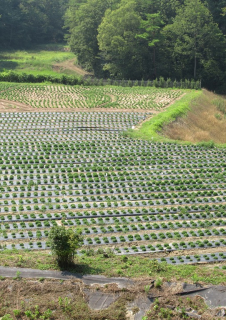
150	130
125	266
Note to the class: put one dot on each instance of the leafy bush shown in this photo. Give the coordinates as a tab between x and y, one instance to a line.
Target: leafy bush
64	242
206	144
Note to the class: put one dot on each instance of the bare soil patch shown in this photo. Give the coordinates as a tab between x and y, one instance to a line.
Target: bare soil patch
113	98
12	106
69	299
55	300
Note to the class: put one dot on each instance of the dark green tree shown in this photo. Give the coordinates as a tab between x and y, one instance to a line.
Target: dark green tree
216	8
82	19
11	24
29	22
196	43
151	32
55	11
142	59
117	40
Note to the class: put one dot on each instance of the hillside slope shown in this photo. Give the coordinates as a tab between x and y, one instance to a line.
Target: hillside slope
42	59
205	121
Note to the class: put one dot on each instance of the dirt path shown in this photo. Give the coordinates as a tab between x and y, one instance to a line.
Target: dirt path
69	65
113	98
64	275
13	106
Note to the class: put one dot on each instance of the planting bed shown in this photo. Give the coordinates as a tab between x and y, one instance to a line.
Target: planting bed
58	96
198	258
77	169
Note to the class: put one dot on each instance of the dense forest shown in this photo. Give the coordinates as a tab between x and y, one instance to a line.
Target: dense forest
127	39
25	23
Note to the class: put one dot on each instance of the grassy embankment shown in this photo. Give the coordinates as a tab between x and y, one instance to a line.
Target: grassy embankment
151	129
199	117
205	121
42	60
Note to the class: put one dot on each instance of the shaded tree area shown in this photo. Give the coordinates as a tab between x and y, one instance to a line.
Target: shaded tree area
28	22
196	44
148	39
130	39
83	19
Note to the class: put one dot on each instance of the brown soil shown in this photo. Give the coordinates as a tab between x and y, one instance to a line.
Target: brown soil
200	124
70	65
62	299
173	307
12	106
68	300
113	98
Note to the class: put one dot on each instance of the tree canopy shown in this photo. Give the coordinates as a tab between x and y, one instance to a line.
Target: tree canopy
197	43
133	39
137	39
117	40
29	22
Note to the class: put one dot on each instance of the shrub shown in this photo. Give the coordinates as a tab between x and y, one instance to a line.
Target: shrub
64	242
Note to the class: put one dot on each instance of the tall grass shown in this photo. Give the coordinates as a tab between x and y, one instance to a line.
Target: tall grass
220	104
204	123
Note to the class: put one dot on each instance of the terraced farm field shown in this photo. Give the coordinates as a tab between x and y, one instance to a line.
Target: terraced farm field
58	96
77	169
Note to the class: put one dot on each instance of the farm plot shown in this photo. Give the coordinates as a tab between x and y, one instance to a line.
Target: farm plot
56	96
76	169
5	86
142	98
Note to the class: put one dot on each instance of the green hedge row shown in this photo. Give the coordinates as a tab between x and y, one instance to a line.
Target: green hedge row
69	80
30	78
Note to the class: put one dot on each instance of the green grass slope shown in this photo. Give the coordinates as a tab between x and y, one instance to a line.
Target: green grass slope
151	129
40	60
